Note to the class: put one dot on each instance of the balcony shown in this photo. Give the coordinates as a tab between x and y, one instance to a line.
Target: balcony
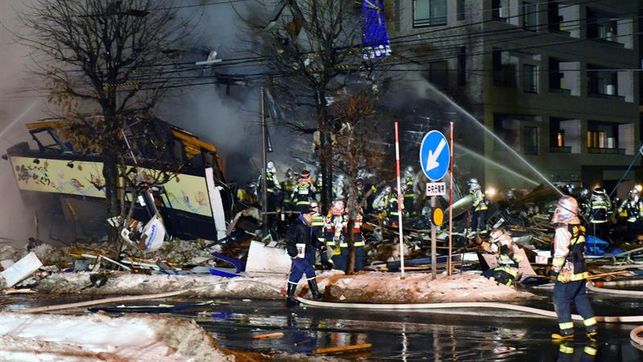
607	151
563	149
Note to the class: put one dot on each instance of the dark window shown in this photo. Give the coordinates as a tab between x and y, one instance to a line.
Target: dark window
500	10
602	82
555	76
429	12
554	18
530	140
508	130
462	66
530	78
504	73
460	9
601	26
529	16
438	74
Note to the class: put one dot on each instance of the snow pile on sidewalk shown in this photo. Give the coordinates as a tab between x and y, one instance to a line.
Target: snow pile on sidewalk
417	288
98	337
368	287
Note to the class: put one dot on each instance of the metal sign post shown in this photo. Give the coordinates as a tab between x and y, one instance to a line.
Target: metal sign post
449	263
435	161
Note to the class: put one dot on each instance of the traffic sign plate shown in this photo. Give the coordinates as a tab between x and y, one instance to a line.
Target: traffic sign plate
435	155
436	189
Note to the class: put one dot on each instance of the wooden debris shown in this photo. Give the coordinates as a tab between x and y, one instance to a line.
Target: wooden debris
274	335
19	291
343	349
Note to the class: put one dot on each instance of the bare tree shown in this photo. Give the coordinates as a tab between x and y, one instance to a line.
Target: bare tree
359	147
312	46
104	57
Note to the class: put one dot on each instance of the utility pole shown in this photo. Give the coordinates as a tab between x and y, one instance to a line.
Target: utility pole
264	193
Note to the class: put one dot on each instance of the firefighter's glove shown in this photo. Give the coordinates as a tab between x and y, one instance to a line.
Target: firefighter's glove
323	248
553	275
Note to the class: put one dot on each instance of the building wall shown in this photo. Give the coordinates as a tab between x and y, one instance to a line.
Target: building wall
570	45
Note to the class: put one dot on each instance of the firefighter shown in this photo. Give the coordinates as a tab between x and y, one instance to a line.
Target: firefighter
570	271
273	193
392	207
360	191
502	245
632	208
287	187
583	200
334	233
304	191
380	204
478	208
600	208
301	245
319	183
318	229
358	241
569	189
409	191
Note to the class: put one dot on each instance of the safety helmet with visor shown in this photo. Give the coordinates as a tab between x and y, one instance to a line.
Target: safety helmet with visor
566	211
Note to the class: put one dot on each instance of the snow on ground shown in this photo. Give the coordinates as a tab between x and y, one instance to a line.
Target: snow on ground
26	337
383	288
373	287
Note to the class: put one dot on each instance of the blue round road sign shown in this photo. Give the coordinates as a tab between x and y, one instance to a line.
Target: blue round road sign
434	155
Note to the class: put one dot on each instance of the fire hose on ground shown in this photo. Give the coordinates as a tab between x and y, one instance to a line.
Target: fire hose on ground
491	305
637	340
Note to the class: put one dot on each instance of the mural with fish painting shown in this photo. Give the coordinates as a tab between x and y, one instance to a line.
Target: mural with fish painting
185	192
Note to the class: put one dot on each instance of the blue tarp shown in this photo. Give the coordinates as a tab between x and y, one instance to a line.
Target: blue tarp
595	246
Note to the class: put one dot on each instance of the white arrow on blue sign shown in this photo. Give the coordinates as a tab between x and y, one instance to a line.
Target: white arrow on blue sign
434	155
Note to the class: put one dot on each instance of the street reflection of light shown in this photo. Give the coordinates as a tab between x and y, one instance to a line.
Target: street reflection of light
405	342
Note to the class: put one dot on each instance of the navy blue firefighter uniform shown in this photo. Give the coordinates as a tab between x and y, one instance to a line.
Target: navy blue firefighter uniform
301	245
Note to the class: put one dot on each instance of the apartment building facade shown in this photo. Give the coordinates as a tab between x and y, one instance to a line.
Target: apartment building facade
557	81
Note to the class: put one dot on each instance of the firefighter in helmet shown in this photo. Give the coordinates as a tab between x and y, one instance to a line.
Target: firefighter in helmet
479	207
570	271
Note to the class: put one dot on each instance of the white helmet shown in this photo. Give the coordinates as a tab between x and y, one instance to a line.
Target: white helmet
473	184
314	205
270	166
566	211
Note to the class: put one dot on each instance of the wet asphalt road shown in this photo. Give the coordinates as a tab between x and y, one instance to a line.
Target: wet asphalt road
459	335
